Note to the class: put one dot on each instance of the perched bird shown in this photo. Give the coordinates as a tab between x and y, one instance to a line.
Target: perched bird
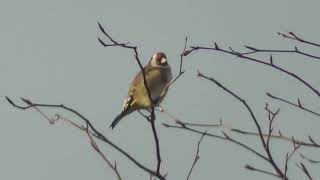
158	76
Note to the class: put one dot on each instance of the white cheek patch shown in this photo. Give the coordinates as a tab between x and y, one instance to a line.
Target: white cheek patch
163	60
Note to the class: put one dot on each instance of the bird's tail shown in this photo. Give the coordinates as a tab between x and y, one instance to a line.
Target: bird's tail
128	107
119	117
116	120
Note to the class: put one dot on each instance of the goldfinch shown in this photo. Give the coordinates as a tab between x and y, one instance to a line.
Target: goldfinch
158	76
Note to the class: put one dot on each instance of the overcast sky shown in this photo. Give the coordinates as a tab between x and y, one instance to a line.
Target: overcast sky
50	54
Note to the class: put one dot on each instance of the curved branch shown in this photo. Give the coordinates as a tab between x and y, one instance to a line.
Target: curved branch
196	157
152	114
264	143
293	36
126	46
251	168
269	64
181	62
298	105
295	50
225	137
94	130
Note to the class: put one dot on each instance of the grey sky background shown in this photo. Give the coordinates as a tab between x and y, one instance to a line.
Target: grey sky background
50	54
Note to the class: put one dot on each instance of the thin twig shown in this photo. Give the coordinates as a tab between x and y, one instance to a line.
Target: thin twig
289	156
309	159
251	168
280	136
134	48
265	146
80	127
291	35
97	149
156	138
271	117
135	51
305	170
269	64
298	105
227	138
200	125
295	50
181	62
98	134
219	124
196	157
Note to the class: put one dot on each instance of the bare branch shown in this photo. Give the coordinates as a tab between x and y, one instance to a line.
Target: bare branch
183	127
291	35
309	159
97	149
219	124
305	171
271	117
295	50
152	119
126	46
97	134
288	156
286	165
251	168
265	146
269	64
199	125
181	62
196	157
242	101
80	127
313	141
298	105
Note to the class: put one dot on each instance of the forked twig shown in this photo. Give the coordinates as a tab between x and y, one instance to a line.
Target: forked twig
196	157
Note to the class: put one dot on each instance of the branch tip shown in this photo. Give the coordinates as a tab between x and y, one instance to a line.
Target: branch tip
9	100
27	101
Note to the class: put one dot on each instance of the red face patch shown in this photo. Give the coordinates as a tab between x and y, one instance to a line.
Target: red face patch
161	58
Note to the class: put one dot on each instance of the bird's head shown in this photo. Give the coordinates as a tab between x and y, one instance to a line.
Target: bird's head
159	59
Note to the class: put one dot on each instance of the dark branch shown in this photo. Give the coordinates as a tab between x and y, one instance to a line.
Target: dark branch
97	149
280	136
196	157
305	171
181	62
288	156
298	105
291	35
227	138
220	124
126	46
251	168
295	50
242	101
264	143
98	135
152	119
269	64
309	159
